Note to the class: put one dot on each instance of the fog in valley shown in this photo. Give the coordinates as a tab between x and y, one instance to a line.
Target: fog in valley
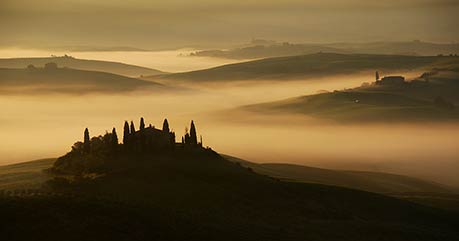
46	125
167	60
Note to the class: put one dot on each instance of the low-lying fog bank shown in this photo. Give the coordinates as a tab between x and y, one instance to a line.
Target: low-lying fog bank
168	60
46	126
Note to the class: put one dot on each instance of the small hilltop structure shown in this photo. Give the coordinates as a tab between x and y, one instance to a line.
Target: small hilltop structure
389	80
100	153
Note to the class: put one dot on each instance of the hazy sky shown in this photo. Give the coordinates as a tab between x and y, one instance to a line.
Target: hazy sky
173	23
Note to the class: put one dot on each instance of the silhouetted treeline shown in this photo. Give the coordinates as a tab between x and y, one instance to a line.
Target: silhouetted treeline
93	154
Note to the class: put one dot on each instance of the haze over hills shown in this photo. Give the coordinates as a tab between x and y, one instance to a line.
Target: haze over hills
346	115
66	80
82	64
311	66
151	187
431	97
269	49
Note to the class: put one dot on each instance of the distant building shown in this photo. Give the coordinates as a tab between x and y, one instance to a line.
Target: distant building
391	80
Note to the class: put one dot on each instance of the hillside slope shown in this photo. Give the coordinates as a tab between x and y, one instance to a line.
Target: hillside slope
309	66
25	175
271	50
82	64
366	181
68	80
202	196
432	97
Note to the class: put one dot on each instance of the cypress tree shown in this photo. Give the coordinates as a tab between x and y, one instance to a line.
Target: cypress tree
86	142
114	137
142	123
132	128
193	136
133	142
126	132
166	126
114	141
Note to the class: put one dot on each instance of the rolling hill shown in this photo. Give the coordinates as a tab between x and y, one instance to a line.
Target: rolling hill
431	97
378	182
311	66
152	188
271	50
66	80
267	51
399	186
25	175
205	197
81	64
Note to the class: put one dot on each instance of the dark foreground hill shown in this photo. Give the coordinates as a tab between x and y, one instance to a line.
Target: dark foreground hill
182	191
82	64
208	198
66	80
311	66
431	97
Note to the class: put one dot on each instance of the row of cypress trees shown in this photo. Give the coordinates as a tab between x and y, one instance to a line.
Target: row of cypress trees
190	138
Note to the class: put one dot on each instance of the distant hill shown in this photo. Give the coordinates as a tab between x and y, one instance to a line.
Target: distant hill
82	64
267	51
310	66
270	50
419	48
432	97
66	80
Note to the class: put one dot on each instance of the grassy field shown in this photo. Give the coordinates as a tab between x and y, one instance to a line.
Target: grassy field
25	175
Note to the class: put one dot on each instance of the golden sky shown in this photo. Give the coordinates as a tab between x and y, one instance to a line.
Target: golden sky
178	23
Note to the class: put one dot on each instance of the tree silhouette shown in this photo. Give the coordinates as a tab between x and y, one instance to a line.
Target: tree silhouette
132	128
141	141
126	133
31	67
166	126
193	136
50	66
86	141
142	124
114	139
